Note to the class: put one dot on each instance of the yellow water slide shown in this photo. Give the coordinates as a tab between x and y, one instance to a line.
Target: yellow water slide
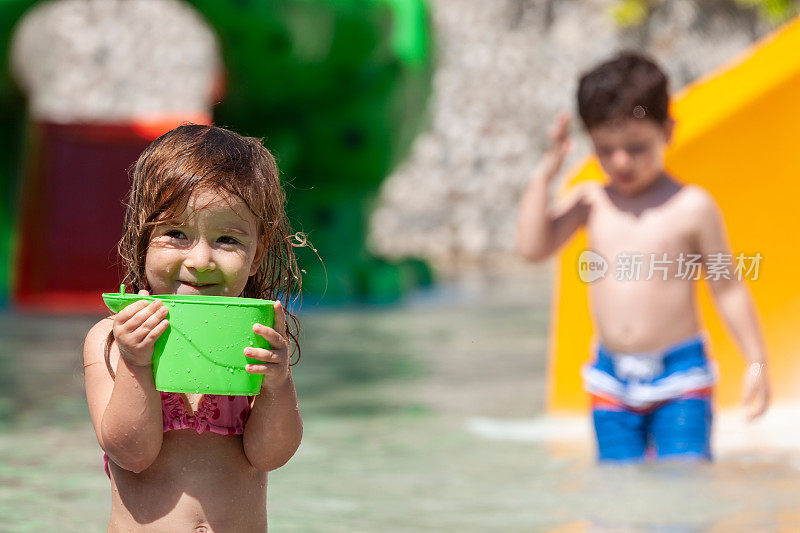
738	136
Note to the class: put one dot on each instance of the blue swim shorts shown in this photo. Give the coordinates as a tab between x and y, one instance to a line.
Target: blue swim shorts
652	403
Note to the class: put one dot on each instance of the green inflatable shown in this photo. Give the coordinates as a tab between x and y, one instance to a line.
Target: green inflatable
338	89
12	111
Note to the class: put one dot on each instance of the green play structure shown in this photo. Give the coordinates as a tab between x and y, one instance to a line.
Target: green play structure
338	90
12	110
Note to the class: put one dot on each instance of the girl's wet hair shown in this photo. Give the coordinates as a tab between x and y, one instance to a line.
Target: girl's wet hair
195	158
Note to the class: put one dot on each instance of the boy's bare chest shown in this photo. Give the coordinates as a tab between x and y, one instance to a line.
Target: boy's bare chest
651	231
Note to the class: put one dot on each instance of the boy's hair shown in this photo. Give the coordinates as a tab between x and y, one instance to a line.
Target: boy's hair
195	158
629	85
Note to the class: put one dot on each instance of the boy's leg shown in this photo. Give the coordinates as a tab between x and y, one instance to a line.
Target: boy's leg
681	428
621	435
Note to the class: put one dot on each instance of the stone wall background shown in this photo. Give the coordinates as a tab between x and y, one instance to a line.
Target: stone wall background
115	60
504	70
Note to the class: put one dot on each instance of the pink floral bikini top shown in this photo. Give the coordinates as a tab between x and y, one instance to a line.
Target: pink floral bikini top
225	415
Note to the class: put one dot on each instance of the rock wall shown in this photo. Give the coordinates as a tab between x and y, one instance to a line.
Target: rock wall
115	60
504	69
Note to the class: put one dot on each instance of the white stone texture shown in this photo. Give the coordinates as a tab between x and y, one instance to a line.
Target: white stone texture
114	60
505	68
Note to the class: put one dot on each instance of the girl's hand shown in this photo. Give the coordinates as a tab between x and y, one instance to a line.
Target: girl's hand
756	390
276	359
136	329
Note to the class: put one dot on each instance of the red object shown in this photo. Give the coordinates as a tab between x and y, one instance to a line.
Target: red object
73	210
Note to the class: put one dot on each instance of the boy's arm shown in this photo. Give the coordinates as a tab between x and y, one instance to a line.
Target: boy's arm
274	429
735	304
542	228
125	412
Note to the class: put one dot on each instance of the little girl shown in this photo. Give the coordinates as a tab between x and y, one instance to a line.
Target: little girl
205	216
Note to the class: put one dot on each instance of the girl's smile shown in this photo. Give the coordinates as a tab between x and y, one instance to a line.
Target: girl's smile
197	286
212	248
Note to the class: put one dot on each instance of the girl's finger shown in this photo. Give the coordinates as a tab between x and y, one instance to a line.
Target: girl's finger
272	336
143	292
261	369
151	322
143	314
131	310
156	332
262	355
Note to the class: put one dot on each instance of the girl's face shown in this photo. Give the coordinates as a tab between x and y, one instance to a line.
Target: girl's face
212	249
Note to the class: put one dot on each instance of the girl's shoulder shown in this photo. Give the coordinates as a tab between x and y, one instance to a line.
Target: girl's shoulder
103	325
99	332
96	339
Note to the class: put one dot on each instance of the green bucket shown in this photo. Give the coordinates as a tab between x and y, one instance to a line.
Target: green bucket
202	349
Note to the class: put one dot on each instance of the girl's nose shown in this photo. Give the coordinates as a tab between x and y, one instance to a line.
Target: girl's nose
199	257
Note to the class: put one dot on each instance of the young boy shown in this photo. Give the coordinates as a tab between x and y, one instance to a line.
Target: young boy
650	381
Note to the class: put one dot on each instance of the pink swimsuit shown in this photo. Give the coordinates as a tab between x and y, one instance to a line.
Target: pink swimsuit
225	415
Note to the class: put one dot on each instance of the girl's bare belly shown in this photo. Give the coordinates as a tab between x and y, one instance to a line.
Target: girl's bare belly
643	316
196	482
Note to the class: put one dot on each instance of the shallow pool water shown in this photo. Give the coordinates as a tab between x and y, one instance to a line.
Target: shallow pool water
421	417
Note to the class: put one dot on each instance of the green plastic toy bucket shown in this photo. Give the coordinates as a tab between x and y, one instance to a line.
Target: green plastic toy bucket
202	349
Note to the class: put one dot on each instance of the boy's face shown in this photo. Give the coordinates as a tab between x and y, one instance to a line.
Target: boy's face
631	152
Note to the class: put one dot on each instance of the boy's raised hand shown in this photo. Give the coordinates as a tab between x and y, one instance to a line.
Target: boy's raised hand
560	146
276	359
757	393
136	329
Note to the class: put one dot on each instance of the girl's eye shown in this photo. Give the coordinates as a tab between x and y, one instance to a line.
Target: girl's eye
175	234
228	240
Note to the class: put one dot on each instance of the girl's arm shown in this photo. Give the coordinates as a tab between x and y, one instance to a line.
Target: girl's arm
126	411
274	429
